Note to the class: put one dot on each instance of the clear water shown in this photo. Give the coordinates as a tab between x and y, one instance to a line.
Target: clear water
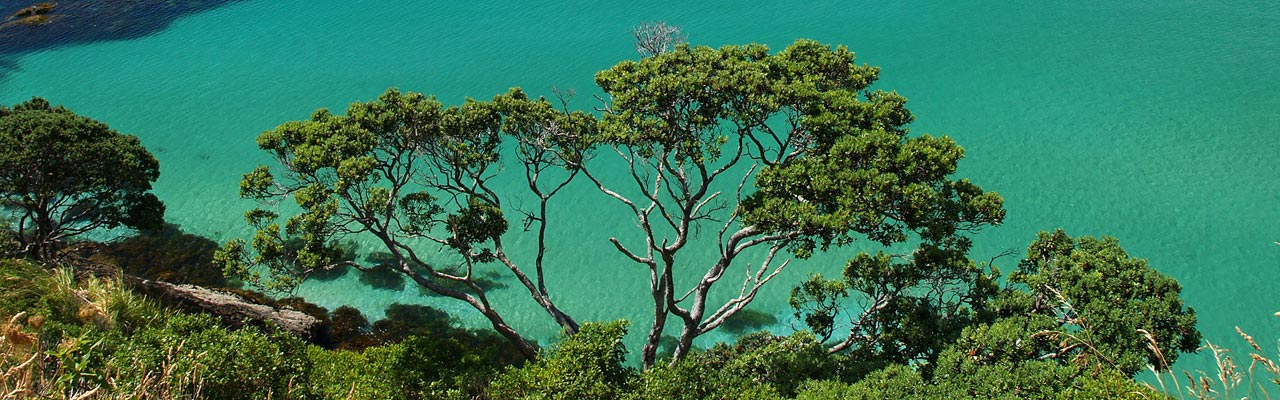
1152	121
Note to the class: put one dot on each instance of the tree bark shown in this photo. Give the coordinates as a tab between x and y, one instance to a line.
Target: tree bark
233	310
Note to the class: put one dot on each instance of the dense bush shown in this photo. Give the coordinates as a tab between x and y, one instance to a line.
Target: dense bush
690	380
586	365
240	364
358	375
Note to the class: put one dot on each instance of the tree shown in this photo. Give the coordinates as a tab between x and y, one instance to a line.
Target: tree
63	175
905	308
693	126
1082	302
654	38
413	175
830	159
1108	308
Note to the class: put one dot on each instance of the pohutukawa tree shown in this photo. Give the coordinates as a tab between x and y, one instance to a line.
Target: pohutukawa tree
63	175
1075	301
416	176
776	155
779	155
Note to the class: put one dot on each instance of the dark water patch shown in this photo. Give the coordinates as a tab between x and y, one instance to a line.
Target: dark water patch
28	26
748	320
350	330
168	254
488	280
383	277
348	250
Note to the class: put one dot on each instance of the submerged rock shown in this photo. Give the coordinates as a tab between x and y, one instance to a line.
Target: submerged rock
35	9
31	27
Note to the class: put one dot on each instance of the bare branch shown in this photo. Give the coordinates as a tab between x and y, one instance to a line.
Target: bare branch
654	38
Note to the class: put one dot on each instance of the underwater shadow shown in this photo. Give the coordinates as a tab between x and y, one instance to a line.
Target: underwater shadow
32	25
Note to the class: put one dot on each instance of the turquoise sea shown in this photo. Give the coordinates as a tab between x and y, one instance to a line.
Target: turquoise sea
1154	121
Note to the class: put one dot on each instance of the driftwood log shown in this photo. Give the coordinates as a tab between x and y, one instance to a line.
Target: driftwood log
233	310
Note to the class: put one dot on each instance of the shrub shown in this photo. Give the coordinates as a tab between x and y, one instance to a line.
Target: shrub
241	364
586	365
343	374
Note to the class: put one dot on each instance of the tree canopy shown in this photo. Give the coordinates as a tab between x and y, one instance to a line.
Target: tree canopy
1108	308
63	174
786	153
1082	302
405	169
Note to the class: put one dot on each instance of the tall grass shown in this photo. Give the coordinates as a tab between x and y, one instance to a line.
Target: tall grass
36	362
1230	379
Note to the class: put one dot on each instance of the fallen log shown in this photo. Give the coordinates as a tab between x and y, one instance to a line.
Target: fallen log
234	311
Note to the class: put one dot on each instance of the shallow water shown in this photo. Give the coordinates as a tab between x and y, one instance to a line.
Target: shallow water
1152	121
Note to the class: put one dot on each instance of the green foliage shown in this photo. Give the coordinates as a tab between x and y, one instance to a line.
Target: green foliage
692	380
362	163
58	298
22	288
241	364
913	306
781	362
959	376
417	368
1106	301
758	365
407	171
585	365
362	375
1009	340
837	163
893	382
62	174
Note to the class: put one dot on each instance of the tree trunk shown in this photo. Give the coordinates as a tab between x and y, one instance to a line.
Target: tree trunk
42	247
527	349
650	350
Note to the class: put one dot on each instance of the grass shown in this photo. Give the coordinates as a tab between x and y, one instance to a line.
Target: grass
37	361
1230	380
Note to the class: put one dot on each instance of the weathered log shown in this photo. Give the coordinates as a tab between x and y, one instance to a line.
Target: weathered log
234	310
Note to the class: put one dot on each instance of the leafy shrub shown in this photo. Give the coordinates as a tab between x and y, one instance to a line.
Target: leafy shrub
586	365
343	374
689	380
241	364
781	362
893	382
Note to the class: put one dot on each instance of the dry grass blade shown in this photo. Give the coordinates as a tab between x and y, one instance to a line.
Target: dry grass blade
1249	339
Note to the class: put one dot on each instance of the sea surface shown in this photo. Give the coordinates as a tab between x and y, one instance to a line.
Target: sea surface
1154	121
